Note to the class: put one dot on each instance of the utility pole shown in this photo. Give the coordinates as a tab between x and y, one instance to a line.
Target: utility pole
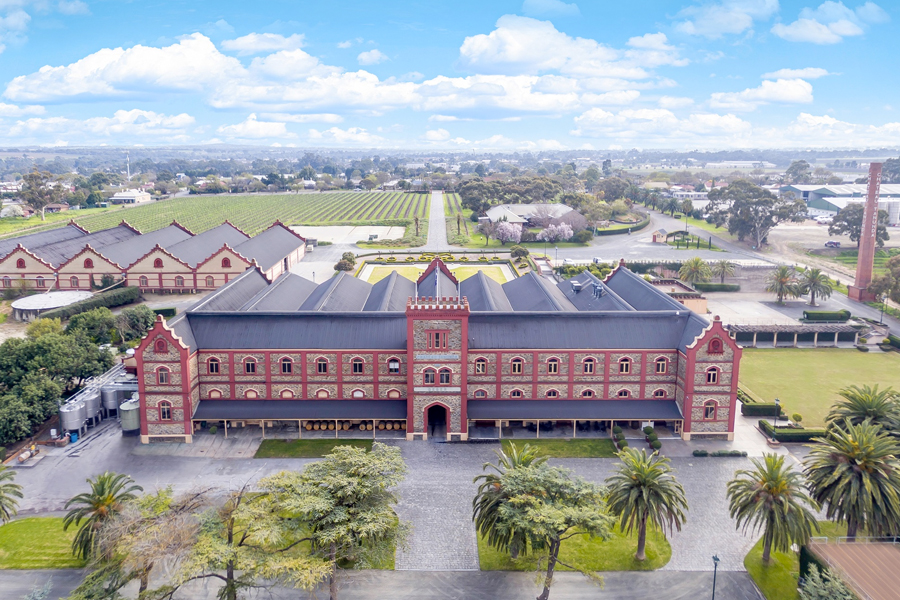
128	164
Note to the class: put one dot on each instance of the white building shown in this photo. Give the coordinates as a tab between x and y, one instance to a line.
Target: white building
522	213
829	199
131	197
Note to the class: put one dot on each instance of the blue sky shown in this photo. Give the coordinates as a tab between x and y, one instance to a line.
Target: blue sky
501	75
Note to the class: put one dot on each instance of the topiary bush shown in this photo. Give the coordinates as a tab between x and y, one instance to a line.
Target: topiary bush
617	429
623	444
652	438
656	444
701	452
213	429
796	417
648	430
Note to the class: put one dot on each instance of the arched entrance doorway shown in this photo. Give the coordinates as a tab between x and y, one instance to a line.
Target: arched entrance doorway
436	416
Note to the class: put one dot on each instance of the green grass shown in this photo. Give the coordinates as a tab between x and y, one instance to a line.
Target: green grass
305	448
704	244
17	224
807	380
778	580
849	258
413	273
37	543
614	554
584	448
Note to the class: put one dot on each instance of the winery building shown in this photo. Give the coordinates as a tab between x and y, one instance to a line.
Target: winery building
438	357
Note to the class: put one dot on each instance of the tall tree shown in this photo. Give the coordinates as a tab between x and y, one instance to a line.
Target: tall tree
854	474
782	282
798	172
10	494
858	404
643	490
722	269
39	189
815	283
887	285
752	211
849	222
694	270
109	492
771	497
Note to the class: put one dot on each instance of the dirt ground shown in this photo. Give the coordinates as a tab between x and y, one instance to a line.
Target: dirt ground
11	328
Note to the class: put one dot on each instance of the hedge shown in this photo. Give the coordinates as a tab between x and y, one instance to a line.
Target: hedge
826	315
718	453
790	434
166	312
717	287
761	409
637	227
117	297
894	341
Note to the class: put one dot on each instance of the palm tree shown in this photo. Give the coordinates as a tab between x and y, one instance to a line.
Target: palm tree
854	474
694	270
643	489
9	492
722	269
880	407
109	492
772	497
490	496
670	206
783	283
815	283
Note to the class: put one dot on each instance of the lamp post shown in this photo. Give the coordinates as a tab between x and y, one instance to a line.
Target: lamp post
775	418
715	571
883	301
556	262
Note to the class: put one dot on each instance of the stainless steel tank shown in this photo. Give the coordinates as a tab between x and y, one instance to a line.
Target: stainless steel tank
130	417
110	397
72	416
92	404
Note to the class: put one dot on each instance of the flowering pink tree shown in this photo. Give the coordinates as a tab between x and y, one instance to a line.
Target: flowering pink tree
508	232
555	233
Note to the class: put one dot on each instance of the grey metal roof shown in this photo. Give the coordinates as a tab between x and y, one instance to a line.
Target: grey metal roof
182	328
59	252
34	241
484	294
286	293
215	410
126	253
390	294
637	292
531	292
313	330
270	246
695	325
203	245
235	294
593	295
625	410
341	293
437	285
577	330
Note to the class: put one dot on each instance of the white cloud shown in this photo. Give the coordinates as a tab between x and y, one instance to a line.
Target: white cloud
307	118
349	43
675	102
11	110
123	126
830	23
254	43
660	126
826	131
350	136
290	65
807	73
611	98
714	19
785	91
437	135
73	7
372	57
653	50
251	128
550	8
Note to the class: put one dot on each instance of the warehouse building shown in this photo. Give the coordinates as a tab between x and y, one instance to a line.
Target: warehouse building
828	200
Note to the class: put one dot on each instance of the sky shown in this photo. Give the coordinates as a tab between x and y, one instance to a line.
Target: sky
501	75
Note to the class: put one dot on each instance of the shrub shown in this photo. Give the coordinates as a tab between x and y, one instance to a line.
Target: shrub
583	237
826	315
862	348
166	312
716	287
109	299
652	437
620	436
213	429
622	444
743	396
735	453
761	409
894	341
648	430
790	434
656	444
324	243
796	417
701	452
518	251
617	429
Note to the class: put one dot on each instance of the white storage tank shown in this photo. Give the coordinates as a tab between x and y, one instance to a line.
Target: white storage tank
92	404
130	417
72	416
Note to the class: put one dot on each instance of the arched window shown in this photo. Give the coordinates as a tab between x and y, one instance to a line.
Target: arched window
165	411
552	394
516	394
212	366
210	281
518	365
287	394
445	376
88	263
429	376
215	394
41	282
357	394
357	366
715	346
73	282
480	394
659	393
709	410
553	366
480	366
20	263
157	263
321	393
662	366
587	394
712	375
162	376
394	394
625	366
160	346
7	282
393	366
251	394
249	366
287	366
322	366
143	281
179	281
587	367
226	263
623	394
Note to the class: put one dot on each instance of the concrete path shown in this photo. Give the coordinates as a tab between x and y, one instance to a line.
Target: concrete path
437	225
437	585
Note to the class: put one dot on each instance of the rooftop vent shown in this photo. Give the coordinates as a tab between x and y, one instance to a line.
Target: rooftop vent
576	286
598	290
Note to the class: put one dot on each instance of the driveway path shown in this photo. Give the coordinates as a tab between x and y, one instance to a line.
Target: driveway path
437	225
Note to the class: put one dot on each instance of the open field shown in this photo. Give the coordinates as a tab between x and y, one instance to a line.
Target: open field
253	213
16	224
37	543
806	381
305	448
413	272
849	258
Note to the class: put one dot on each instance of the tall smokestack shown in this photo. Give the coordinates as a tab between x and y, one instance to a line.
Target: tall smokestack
866	262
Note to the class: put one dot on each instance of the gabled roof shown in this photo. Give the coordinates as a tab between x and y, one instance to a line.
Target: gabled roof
130	251
286	293
235	294
270	246
87	248
34	241
637	292
437	281
531	292
390	294
341	293
587	292
60	252
197	249
484	294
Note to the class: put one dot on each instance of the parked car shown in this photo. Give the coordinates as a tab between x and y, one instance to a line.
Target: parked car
568	261
824	220
832	244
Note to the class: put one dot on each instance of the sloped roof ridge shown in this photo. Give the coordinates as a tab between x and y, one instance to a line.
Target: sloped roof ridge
389	290
546	292
265	292
608	290
218	292
482	281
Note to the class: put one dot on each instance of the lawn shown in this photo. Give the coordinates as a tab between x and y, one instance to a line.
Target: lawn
17	224
413	273
305	448
696	243
849	258
37	543
806	381
614	554
584	448
778	580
